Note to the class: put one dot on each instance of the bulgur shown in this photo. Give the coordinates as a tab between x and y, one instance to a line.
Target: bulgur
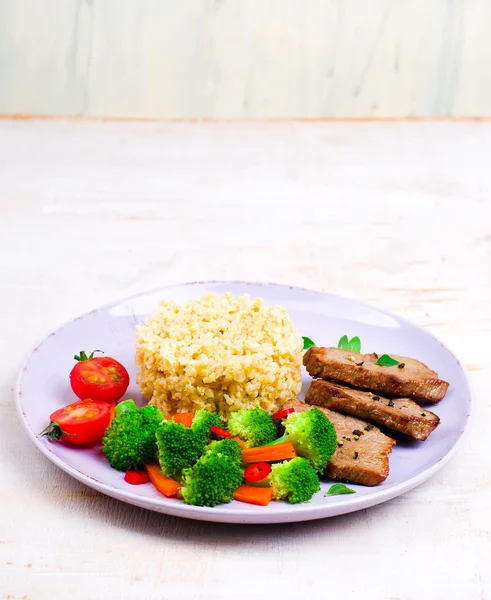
219	353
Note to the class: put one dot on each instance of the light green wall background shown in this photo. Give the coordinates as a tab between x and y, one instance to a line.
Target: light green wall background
245	58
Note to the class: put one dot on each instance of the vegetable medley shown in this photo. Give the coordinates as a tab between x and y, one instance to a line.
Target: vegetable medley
206	461
252	457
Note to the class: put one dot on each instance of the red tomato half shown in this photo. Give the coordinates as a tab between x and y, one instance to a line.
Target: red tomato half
81	422
99	378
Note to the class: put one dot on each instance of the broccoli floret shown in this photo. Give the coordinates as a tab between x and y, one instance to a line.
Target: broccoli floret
313	436
203	420
151	413
179	447
228	448
215	477
294	480
255	427
129	441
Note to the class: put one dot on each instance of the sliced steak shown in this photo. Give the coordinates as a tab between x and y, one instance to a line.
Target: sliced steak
363	456
400	414
361	370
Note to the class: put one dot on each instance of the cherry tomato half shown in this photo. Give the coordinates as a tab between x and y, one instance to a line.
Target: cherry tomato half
81	422
99	378
257	472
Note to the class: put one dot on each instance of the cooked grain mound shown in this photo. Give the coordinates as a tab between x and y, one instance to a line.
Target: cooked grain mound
219	353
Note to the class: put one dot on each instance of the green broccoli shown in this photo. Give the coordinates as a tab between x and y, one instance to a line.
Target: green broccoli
215	477
255	427
129	441
294	480
179	447
203	420
313	436
227	447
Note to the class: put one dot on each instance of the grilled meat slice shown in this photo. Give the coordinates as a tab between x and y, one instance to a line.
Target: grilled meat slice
361	370
400	414
363	456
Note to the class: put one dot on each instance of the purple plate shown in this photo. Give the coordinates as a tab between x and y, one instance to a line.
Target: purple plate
43	386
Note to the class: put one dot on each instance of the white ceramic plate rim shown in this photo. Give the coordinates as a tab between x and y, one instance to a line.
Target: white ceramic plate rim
249	514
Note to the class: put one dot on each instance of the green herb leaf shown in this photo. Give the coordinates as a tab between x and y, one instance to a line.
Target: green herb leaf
352	344
355	344
387	361
343	343
338	489
307	343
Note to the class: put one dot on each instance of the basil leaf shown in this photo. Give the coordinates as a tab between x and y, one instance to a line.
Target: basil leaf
355	344
307	343
352	344
387	361
339	488
343	343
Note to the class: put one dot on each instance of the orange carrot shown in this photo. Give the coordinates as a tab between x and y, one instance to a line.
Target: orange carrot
185	418
112	411
165	485
254	495
268	453
239	441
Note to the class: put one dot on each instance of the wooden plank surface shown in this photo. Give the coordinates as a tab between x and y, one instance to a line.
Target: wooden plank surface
395	214
254	59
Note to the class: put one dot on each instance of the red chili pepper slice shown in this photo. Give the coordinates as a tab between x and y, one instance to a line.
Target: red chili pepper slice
219	431
257	472
281	414
136	477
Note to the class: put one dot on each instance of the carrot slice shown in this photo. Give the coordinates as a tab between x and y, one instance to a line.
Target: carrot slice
254	495
239	441
165	485
269	453
185	418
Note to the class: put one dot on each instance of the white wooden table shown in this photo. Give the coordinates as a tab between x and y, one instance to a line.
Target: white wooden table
395	214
